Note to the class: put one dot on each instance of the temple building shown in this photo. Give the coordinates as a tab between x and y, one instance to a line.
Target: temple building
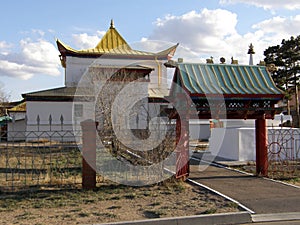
112	50
54	109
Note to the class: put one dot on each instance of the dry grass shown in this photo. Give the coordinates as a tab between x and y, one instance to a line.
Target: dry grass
287	171
110	203
294	181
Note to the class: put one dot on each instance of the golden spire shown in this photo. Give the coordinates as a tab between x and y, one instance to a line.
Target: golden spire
112	24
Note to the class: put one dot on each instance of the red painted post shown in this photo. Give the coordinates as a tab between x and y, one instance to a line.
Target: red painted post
182	137
88	154
182	146
261	147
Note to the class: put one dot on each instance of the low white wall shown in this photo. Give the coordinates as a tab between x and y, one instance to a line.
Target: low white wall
16	130
224	143
246	144
199	129
239	143
278	119
17	127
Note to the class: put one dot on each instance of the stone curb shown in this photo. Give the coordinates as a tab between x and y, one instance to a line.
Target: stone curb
222	218
273	217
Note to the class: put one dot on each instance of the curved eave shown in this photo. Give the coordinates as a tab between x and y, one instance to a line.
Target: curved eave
66	50
170	51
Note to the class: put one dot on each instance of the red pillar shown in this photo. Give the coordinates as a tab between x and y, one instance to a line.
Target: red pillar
182	148
88	154
261	147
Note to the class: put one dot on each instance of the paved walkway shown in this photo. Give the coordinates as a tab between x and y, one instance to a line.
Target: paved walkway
262	196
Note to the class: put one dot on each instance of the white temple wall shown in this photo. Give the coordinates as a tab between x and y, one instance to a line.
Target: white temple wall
76	67
44	128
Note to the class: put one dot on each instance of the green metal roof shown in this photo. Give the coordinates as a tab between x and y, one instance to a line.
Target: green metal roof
234	80
4	120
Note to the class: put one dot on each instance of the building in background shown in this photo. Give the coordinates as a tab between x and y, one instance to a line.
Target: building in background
59	109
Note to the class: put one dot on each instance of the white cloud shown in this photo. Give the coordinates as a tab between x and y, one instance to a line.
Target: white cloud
5	47
85	41
151	45
198	31
204	32
279	26
35	57
267	4
214	33
16	70
38	56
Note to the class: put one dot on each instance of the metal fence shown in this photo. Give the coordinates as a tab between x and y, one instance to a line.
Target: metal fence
49	155
284	152
39	156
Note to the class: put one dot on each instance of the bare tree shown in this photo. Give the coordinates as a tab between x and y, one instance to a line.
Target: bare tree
4	98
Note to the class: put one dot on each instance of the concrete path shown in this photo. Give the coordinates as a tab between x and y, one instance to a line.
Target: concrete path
262	196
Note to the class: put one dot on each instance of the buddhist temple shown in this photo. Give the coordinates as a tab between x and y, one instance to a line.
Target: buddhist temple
111	53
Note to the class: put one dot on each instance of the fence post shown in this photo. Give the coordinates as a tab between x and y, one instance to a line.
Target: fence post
88	154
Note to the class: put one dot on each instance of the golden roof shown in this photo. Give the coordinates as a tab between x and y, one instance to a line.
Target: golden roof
18	108
112	43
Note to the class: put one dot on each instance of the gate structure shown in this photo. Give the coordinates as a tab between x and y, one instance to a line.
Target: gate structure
221	91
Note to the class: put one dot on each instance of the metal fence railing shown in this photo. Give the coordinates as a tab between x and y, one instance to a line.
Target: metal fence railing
284	152
39	155
49	155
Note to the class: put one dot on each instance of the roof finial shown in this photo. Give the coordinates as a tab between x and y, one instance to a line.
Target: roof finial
112	24
251	52
251	49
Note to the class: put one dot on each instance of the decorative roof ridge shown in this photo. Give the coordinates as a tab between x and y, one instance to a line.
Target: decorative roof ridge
218	64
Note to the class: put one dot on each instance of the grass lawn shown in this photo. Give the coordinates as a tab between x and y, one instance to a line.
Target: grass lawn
111	203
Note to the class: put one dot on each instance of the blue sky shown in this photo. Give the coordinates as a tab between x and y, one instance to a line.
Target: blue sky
29	57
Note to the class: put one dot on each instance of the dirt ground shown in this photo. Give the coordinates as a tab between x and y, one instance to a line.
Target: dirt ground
110	203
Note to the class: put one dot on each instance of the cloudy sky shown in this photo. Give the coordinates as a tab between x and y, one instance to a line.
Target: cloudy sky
203	28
